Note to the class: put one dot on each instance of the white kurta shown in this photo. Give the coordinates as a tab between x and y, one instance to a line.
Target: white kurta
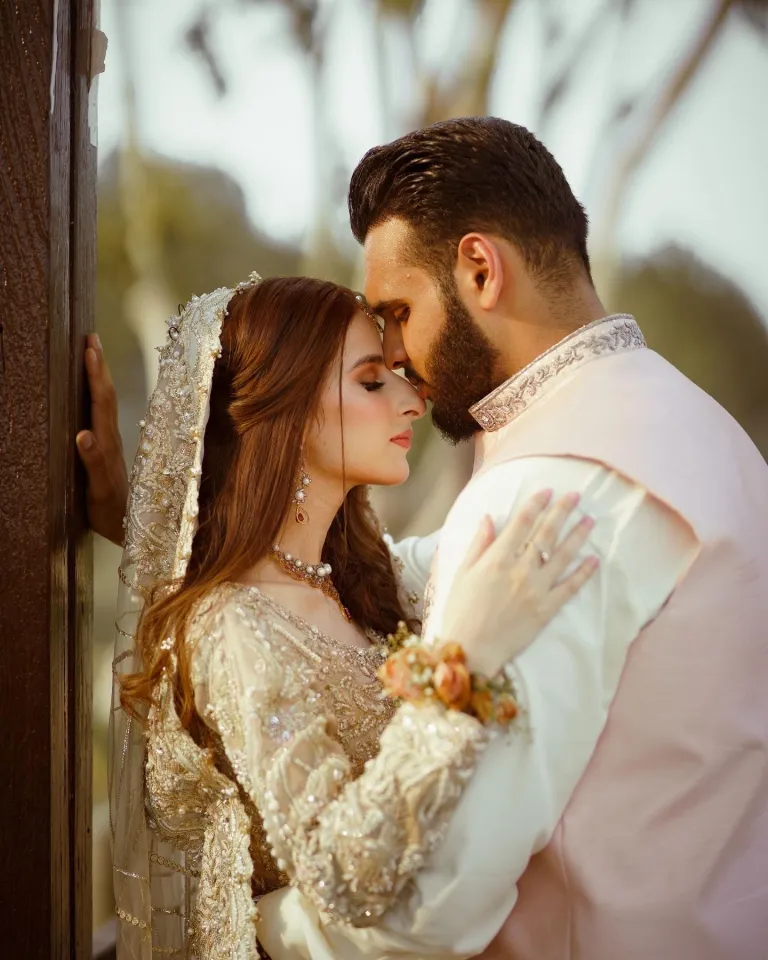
567	679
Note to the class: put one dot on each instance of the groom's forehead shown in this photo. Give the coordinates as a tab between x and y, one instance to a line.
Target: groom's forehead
389	274
392	289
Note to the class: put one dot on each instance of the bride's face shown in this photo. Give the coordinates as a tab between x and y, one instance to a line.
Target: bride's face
374	407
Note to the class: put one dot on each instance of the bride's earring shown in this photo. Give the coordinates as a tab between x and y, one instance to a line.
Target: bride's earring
300	496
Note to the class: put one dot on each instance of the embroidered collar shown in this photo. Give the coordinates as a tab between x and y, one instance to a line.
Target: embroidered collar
612	334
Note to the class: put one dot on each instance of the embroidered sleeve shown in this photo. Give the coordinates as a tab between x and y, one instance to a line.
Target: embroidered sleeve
351	845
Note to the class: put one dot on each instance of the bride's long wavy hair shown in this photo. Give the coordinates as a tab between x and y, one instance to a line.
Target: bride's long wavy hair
280	340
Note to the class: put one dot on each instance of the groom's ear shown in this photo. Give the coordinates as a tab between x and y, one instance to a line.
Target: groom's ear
479	271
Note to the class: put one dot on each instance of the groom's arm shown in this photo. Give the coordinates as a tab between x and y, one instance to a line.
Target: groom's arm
567	679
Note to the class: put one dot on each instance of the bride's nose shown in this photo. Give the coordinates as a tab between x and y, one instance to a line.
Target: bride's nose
413	405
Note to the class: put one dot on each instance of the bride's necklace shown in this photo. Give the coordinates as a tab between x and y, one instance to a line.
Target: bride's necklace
318	576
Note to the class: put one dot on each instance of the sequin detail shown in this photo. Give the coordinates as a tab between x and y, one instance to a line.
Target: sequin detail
609	335
290	785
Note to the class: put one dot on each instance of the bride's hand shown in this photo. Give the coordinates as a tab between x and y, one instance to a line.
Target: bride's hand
101	450
509	588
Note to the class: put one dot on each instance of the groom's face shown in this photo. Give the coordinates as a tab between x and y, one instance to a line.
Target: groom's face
428	331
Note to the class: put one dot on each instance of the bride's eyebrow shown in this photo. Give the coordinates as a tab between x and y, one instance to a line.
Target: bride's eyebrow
369	358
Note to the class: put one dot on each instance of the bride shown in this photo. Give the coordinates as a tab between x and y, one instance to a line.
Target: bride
261	614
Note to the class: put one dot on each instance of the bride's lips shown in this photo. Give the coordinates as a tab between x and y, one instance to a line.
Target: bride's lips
403	439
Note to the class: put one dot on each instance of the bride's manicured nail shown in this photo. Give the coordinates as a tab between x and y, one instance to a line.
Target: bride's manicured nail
587	522
572	499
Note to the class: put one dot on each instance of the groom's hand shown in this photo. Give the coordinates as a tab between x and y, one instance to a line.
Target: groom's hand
101	450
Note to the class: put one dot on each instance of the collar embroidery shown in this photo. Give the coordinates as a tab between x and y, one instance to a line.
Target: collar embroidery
619	332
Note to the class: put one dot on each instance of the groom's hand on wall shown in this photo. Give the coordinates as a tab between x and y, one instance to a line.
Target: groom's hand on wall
101	450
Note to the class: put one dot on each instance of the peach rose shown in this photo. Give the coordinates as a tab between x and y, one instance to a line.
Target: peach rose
506	710
482	705
502	710
398	674
453	684
452	651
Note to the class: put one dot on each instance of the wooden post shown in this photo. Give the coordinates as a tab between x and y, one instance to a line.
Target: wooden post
47	256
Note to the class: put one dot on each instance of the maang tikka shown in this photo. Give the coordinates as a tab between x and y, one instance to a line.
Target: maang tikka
300	496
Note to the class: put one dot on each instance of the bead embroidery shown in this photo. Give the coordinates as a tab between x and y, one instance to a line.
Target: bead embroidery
306	832
609	335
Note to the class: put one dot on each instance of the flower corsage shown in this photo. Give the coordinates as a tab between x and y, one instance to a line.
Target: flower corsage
418	674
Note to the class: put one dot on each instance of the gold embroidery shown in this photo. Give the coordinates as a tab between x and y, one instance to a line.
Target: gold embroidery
162	509
165	862
124	579
290	785
429	599
128	918
127	873
609	335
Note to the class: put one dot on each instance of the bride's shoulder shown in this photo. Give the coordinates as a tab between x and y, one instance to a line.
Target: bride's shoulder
230	616
226	609
230	635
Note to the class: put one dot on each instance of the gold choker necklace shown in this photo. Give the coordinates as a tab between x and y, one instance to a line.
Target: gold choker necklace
316	576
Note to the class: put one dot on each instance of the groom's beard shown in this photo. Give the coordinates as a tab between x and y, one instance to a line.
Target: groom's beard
460	371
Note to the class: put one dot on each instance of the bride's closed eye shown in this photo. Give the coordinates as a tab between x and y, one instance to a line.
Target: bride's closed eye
373	385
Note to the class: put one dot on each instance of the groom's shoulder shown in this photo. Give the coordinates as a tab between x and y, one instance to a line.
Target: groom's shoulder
644	383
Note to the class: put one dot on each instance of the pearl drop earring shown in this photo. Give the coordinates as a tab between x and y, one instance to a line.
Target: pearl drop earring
300	497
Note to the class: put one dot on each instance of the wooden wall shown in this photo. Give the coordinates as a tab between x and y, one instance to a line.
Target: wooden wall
47	254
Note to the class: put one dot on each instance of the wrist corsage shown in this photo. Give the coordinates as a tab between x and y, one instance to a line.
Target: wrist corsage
439	674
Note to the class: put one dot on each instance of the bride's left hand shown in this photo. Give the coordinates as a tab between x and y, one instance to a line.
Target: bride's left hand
509	587
101	450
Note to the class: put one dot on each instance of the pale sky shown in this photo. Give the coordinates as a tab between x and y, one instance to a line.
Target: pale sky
703	186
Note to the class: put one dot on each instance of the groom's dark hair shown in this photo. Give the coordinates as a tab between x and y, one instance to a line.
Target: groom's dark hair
474	173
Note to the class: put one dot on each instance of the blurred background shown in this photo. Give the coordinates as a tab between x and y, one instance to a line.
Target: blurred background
228	130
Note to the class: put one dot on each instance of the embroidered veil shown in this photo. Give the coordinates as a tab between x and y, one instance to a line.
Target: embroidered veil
153	887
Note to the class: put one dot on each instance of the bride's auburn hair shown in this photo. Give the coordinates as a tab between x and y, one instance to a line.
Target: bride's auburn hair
280	340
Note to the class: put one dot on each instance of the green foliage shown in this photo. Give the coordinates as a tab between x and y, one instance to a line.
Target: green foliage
206	241
206	237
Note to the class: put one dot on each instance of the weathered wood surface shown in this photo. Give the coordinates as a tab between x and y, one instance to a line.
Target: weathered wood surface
47	244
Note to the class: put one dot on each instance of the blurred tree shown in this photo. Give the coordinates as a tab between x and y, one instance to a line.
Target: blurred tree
461	91
205	239
147	298
307	22
460	86
464	91
632	125
638	124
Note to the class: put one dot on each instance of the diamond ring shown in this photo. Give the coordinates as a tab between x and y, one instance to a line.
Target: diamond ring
544	555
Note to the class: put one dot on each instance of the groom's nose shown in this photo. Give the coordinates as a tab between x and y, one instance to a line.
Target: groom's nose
395	354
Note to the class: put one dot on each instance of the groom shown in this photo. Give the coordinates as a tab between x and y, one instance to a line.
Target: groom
630	820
